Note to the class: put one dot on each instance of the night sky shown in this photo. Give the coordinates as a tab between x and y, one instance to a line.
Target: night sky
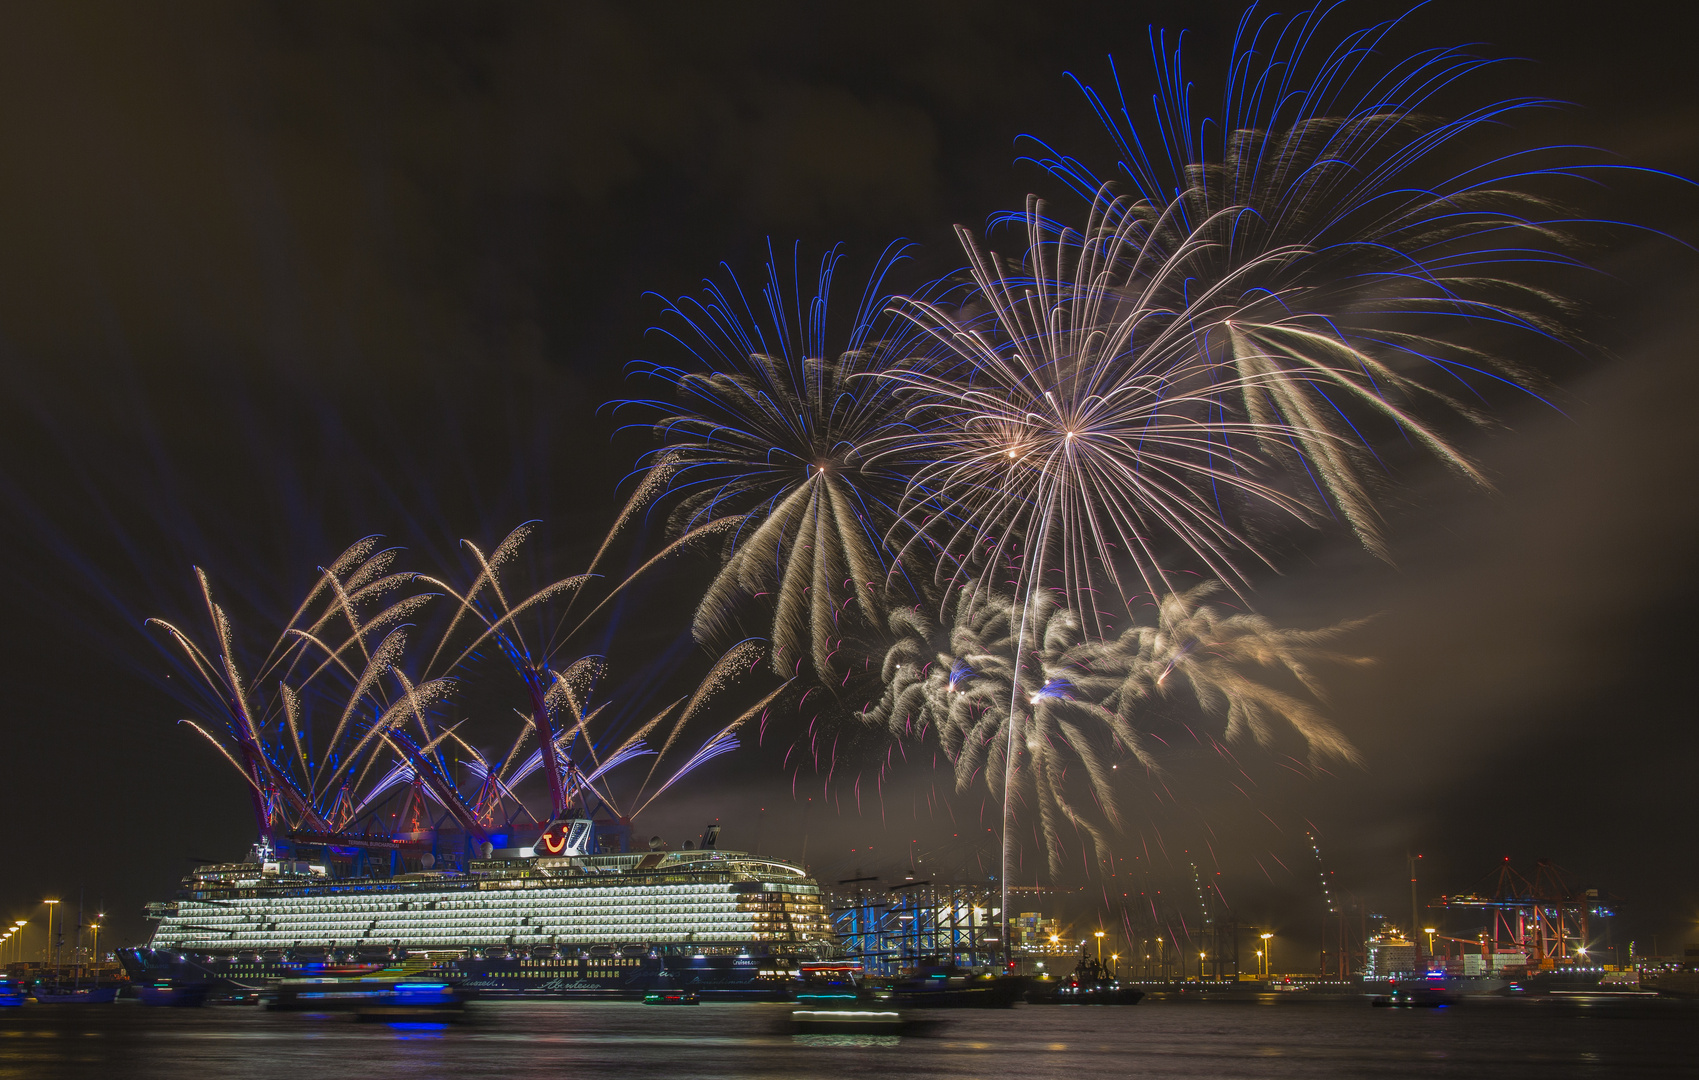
277	276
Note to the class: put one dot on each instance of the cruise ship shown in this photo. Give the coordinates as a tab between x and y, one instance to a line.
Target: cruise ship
722	924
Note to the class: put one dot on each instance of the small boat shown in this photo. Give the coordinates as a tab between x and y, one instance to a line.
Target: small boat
950	987
414	1000
12	994
1089	984
671	997
384	998
172	995
1418	997
848	1022
58	995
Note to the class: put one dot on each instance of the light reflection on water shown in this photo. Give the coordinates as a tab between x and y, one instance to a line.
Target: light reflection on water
1502	1040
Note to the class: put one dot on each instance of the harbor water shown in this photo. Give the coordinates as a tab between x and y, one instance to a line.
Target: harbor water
1276	1036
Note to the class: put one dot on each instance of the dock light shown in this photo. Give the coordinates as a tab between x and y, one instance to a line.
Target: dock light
49	942
1267	955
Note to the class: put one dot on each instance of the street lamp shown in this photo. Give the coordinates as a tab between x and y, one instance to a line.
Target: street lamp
1267	955
48	946
1428	930
1099	948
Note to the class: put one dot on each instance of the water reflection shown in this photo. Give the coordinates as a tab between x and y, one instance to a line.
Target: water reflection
847	1040
1505	1040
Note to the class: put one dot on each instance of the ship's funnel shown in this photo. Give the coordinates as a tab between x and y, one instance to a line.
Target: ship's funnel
567	836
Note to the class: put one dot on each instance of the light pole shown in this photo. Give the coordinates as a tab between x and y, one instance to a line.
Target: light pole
1200	965
1114	961
48	951
94	945
1415	915
1099	948
1268	956
1428	930
18	946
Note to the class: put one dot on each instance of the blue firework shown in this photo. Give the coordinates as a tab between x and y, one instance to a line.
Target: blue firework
770	429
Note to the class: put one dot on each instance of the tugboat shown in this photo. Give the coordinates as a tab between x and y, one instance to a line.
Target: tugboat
945	986
1091	983
1415	995
832	999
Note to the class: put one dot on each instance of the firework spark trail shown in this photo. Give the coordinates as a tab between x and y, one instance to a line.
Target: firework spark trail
723	742
552	693
289	789
736	660
1102	399
1209	650
1001	706
343	649
561	701
772	434
378	664
1080	698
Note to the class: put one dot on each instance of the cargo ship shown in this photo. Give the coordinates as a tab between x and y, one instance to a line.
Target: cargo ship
725	925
